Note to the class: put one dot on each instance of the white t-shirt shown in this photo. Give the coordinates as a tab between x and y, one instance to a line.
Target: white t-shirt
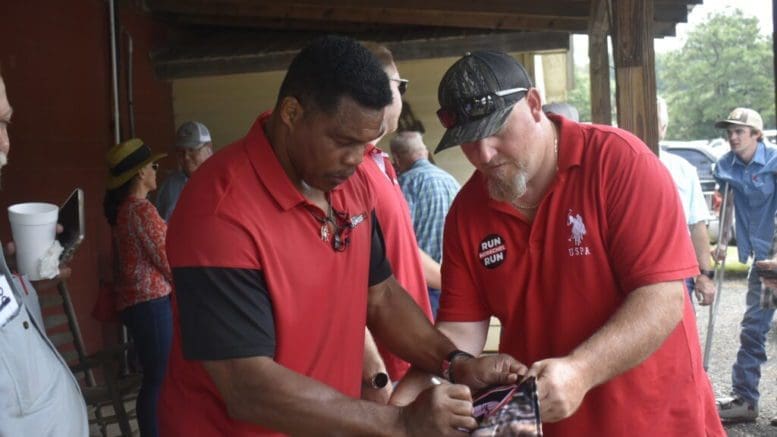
688	186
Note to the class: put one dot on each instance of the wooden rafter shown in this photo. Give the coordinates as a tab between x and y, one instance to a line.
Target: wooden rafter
568	15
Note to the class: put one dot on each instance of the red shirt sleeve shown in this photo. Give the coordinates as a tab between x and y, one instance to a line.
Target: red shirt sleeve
647	236
460	300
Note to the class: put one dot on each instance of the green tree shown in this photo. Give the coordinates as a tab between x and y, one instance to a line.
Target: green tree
580	95
725	63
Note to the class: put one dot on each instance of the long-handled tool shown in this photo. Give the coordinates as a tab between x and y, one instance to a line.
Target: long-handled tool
724	224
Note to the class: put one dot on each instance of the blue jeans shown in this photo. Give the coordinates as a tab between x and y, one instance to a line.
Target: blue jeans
434	300
752	350
151	325
690	285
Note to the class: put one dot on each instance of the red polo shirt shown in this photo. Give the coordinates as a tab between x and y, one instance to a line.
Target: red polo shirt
241	213
401	245
610	223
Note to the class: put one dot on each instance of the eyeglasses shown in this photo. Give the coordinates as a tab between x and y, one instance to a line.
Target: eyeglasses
155	166
339	224
473	108
402	85
183	152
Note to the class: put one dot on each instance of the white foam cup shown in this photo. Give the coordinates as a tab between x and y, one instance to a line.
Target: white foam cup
34	227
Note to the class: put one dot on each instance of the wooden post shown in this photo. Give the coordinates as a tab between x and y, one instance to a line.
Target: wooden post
635	74
599	63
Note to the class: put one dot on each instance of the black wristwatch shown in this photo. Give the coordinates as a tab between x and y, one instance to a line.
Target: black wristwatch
446	369
379	380
708	273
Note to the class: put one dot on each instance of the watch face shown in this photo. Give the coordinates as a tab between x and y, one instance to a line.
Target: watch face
380	380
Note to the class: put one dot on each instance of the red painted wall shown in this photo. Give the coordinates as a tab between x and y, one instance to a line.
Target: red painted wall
55	59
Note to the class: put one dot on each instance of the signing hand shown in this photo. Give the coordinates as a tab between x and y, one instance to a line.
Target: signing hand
443	410
561	386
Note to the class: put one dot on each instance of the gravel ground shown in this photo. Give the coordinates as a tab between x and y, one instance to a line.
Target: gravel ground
724	349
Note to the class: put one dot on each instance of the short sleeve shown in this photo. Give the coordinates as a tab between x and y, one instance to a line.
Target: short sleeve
698	211
459	300
647	233
380	267
224	313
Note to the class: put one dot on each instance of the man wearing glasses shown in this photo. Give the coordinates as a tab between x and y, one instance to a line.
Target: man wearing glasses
412	268
279	264
749	170
192	147
573	236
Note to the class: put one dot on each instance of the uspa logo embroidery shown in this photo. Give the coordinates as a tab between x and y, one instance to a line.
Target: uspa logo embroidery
575	221
492	251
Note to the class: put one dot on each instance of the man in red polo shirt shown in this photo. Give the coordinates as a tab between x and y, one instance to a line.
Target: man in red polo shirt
279	264
573	236
402	248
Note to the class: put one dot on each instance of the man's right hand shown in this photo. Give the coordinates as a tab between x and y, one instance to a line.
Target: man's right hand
442	410
719	253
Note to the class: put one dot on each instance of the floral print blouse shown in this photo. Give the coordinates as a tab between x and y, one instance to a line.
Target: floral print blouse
139	240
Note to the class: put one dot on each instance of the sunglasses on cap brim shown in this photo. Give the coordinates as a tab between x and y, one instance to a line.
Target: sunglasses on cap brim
402	85
474	108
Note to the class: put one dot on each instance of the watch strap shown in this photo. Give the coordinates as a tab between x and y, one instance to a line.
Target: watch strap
447	364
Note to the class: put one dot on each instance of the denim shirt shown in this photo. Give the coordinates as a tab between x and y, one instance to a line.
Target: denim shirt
39	396
168	194
755	199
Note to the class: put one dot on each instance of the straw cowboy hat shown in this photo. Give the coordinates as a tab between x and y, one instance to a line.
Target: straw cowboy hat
126	159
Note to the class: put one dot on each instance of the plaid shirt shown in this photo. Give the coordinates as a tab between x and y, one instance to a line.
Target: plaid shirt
429	191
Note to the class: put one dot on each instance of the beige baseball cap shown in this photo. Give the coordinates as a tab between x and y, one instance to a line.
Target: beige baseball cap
742	117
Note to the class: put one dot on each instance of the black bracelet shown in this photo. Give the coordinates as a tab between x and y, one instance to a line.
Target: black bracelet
708	273
447	365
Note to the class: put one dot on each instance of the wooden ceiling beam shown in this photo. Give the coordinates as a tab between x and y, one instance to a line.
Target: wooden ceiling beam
499	15
170	65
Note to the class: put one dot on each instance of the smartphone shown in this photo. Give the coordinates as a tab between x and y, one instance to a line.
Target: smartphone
71	217
766	273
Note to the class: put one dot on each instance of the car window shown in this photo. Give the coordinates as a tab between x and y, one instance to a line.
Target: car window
698	159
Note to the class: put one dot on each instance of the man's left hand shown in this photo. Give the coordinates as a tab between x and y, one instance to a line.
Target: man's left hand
704	289
43	284
487	370
561	386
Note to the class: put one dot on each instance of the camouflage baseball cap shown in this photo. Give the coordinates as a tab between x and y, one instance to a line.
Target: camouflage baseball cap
742	117
477	95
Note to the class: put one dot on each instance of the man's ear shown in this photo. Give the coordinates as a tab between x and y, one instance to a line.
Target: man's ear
534	101
290	111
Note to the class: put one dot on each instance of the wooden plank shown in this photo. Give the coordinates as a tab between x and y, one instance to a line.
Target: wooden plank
540	16
175	67
635	69
599	63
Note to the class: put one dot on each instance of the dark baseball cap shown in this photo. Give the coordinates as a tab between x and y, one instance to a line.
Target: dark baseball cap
477	95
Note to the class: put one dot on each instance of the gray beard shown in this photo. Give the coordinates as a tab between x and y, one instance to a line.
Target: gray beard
508	190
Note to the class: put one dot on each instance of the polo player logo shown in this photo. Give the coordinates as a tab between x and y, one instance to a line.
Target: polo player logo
578	228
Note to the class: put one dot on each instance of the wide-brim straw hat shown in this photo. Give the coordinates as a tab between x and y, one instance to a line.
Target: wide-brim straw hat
126	159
